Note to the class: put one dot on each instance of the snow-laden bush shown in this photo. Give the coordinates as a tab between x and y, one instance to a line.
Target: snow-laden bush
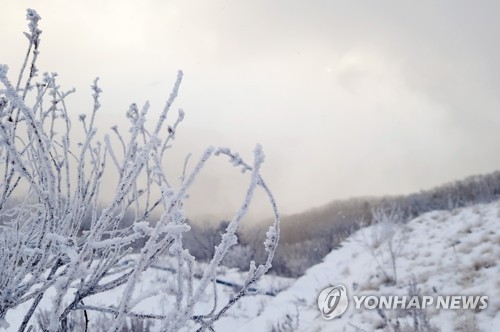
49	185
386	240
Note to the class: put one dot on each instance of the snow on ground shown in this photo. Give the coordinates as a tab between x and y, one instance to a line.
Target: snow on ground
156	279
448	253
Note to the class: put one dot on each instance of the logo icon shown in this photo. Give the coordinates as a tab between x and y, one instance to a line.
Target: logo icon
332	301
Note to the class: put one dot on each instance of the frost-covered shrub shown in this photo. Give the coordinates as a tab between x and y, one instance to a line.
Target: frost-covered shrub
53	234
407	320
385	240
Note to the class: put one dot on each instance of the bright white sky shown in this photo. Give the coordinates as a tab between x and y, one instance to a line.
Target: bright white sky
348	98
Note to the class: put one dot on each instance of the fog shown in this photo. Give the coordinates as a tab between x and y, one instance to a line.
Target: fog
347	98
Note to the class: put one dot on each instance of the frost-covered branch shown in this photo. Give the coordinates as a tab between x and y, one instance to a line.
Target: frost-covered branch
57	232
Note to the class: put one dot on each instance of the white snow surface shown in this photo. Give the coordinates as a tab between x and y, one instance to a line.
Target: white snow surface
152	295
449	253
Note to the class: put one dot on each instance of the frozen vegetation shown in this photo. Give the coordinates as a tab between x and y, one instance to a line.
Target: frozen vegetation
59	250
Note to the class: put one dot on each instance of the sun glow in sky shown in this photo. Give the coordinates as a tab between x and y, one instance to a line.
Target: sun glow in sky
347	98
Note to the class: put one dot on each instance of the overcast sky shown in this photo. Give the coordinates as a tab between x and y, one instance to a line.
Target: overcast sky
348	98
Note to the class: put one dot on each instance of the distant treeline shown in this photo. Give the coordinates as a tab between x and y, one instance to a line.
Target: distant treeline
306	238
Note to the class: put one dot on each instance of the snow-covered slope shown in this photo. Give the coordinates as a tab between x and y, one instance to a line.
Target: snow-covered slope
445	252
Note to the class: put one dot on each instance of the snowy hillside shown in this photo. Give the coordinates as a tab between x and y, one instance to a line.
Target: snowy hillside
448	253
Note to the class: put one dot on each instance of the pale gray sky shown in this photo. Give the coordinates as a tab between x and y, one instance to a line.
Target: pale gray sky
348	98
